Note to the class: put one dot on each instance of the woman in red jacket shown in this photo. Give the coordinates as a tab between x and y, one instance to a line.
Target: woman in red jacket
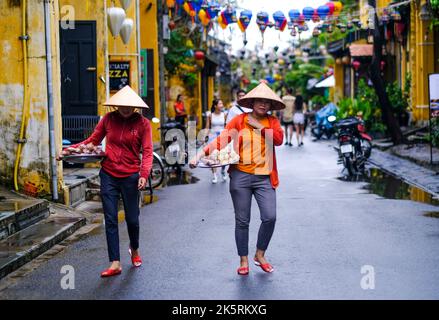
254	137
123	172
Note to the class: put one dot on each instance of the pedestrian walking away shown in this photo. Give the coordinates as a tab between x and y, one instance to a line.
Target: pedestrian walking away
124	171
236	109
256	173
299	119
287	116
216	121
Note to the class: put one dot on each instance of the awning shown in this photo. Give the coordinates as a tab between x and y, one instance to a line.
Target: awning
361	50
311	83
329	82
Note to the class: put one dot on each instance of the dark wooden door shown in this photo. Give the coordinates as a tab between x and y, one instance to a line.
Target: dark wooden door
78	69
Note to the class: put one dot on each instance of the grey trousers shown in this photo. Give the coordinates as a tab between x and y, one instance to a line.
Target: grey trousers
242	187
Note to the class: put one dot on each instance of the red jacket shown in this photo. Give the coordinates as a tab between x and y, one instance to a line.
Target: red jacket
126	139
238	123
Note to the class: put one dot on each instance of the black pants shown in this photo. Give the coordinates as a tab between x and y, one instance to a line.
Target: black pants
111	189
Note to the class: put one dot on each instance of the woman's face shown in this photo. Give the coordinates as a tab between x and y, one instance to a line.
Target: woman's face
126	112
261	106
219	106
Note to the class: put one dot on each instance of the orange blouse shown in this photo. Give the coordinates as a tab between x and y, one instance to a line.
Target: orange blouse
237	129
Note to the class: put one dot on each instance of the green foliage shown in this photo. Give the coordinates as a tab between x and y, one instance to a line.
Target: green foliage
399	98
177	53
298	78
190	80
319	100
366	104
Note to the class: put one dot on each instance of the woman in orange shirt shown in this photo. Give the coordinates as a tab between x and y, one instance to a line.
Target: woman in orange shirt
180	111
254	137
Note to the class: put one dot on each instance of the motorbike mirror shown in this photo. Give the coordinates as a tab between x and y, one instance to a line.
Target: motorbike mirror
332	118
155	120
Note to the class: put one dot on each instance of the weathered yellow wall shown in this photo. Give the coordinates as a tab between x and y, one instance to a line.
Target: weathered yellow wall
149	40
34	164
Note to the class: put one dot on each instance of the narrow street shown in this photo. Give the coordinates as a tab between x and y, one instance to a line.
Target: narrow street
327	230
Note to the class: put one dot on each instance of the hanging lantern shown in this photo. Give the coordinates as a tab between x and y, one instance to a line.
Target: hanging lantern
338	7
280	21
171	25
346	60
323	11
116	17
331	7
170	4
125	31
356	65
125	4
315	17
301	20
338	61
294	15
199	55
308	13
382	65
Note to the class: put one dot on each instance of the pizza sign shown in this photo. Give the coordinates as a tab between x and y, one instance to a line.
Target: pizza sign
119	75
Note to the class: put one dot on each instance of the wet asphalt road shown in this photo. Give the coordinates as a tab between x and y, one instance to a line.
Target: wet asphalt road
326	231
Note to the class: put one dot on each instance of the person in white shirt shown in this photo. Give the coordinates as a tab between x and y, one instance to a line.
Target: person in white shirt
236	109
216	121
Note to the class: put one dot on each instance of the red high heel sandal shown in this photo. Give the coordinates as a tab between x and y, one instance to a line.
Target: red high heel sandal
266	266
136	261
243	271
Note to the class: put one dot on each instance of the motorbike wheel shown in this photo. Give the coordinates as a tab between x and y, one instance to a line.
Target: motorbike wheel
157	172
366	147
349	166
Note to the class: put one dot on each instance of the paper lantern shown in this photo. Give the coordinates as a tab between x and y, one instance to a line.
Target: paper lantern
116	17
244	19
294	15
382	65
315	17
338	7
331	7
126	29
356	65
280	21
199	55
125	4
323	11
170	3
308	12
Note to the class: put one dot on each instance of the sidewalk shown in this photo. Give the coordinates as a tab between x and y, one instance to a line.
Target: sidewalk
408	171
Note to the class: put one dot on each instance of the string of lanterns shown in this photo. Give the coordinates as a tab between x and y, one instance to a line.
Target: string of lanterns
118	23
327	17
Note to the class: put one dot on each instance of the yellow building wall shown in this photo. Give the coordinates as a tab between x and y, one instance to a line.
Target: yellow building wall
149	40
34	168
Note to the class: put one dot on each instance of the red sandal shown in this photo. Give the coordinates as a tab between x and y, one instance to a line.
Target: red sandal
243	271
266	266
136	261
111	272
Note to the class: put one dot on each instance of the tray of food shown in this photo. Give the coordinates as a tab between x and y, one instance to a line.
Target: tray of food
83	154
222	158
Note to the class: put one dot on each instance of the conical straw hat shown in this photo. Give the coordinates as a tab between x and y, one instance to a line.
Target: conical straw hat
126	97
262	91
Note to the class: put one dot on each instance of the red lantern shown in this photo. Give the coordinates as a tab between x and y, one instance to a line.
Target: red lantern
199	55
383	65
356	64
171	25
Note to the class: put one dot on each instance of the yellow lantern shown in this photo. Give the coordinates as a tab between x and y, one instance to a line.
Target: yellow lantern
338	6
170	3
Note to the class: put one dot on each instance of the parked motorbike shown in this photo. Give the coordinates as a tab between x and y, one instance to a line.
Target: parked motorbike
174	144
321	126
354	144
